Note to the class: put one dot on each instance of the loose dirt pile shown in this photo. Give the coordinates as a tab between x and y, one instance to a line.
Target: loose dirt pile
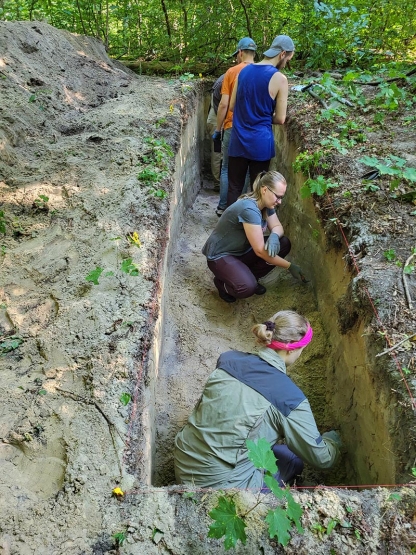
75	130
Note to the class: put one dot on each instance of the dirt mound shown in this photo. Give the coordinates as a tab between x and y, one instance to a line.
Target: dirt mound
73	133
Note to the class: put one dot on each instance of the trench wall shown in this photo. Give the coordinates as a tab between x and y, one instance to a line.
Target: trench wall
358	392
187	182
361	403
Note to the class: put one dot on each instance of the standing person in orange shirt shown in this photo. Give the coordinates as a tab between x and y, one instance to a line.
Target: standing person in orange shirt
245	53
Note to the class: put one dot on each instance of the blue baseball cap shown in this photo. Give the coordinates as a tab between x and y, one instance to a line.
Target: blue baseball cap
245	44
281	43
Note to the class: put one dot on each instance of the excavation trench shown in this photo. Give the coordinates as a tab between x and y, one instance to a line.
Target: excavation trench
337	372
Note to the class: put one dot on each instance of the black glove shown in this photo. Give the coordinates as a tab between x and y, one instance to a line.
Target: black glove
297	273
273	244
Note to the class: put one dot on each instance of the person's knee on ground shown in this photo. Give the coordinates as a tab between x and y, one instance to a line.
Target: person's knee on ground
242	290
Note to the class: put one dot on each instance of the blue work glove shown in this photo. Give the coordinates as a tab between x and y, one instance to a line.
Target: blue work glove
273	244
216	136
333	437
297	273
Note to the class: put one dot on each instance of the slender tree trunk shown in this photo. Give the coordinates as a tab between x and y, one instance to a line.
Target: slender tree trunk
31	8
165	11
185	24
247	18
80	18
107	25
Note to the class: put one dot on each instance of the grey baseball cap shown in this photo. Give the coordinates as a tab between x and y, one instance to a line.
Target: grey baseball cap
245	44
281	43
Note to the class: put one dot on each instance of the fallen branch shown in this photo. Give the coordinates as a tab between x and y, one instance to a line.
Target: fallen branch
405	284
318	98
396	345
375	83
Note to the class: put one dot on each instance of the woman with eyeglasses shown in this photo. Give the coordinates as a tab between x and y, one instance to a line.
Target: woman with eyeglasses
236	251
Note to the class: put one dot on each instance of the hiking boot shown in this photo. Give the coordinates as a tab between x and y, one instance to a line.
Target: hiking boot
219	212
260	289
226	297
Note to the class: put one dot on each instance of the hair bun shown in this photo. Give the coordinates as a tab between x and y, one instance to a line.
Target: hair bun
270	326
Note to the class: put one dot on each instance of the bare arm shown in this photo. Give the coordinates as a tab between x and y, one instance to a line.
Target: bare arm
278	89
222	110
274	225
233	96
255	237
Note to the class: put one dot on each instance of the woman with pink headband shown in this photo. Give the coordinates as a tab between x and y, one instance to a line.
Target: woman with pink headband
250	396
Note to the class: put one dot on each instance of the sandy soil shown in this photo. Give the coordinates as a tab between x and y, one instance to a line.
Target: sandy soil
74	128
200	326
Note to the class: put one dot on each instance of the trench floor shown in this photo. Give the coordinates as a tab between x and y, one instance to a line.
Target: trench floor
199	326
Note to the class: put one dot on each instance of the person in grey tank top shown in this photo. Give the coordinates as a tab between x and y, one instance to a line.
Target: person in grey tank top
236	251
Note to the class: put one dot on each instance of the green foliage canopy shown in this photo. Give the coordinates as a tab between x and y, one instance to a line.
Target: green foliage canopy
326	34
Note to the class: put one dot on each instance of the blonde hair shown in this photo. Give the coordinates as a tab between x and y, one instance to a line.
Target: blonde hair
289	326
264	179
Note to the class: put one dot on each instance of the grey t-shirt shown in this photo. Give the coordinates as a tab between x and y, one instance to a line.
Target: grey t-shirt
229	237
216	92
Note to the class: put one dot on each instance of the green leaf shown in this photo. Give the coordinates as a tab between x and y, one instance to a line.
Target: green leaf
279	525
10	344
94	275
410	174
42	392
331	525
273	486
305	192
394	497
227	523
125	398
294	511
389	254
409	269
319	185
261	455
128	267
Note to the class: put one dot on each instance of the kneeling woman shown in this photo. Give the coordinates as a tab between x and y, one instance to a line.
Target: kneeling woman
236	252
250	396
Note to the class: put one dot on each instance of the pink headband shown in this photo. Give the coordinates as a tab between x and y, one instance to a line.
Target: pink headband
292	346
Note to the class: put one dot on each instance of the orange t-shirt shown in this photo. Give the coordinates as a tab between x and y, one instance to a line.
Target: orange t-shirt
227	88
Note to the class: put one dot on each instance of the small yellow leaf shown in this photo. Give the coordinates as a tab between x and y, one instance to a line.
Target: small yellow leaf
118	492
171	108
200	74
134	239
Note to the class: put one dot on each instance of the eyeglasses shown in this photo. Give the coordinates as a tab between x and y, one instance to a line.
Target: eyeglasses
277	197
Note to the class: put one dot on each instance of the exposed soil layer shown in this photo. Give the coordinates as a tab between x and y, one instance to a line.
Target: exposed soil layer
200	326
76	129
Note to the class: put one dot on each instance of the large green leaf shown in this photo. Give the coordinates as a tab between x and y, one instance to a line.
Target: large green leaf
261	455
227	523
279	525
294	511
410	174
94	275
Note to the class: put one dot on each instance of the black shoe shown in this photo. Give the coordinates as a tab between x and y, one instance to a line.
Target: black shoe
260	290
226	297
219	212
